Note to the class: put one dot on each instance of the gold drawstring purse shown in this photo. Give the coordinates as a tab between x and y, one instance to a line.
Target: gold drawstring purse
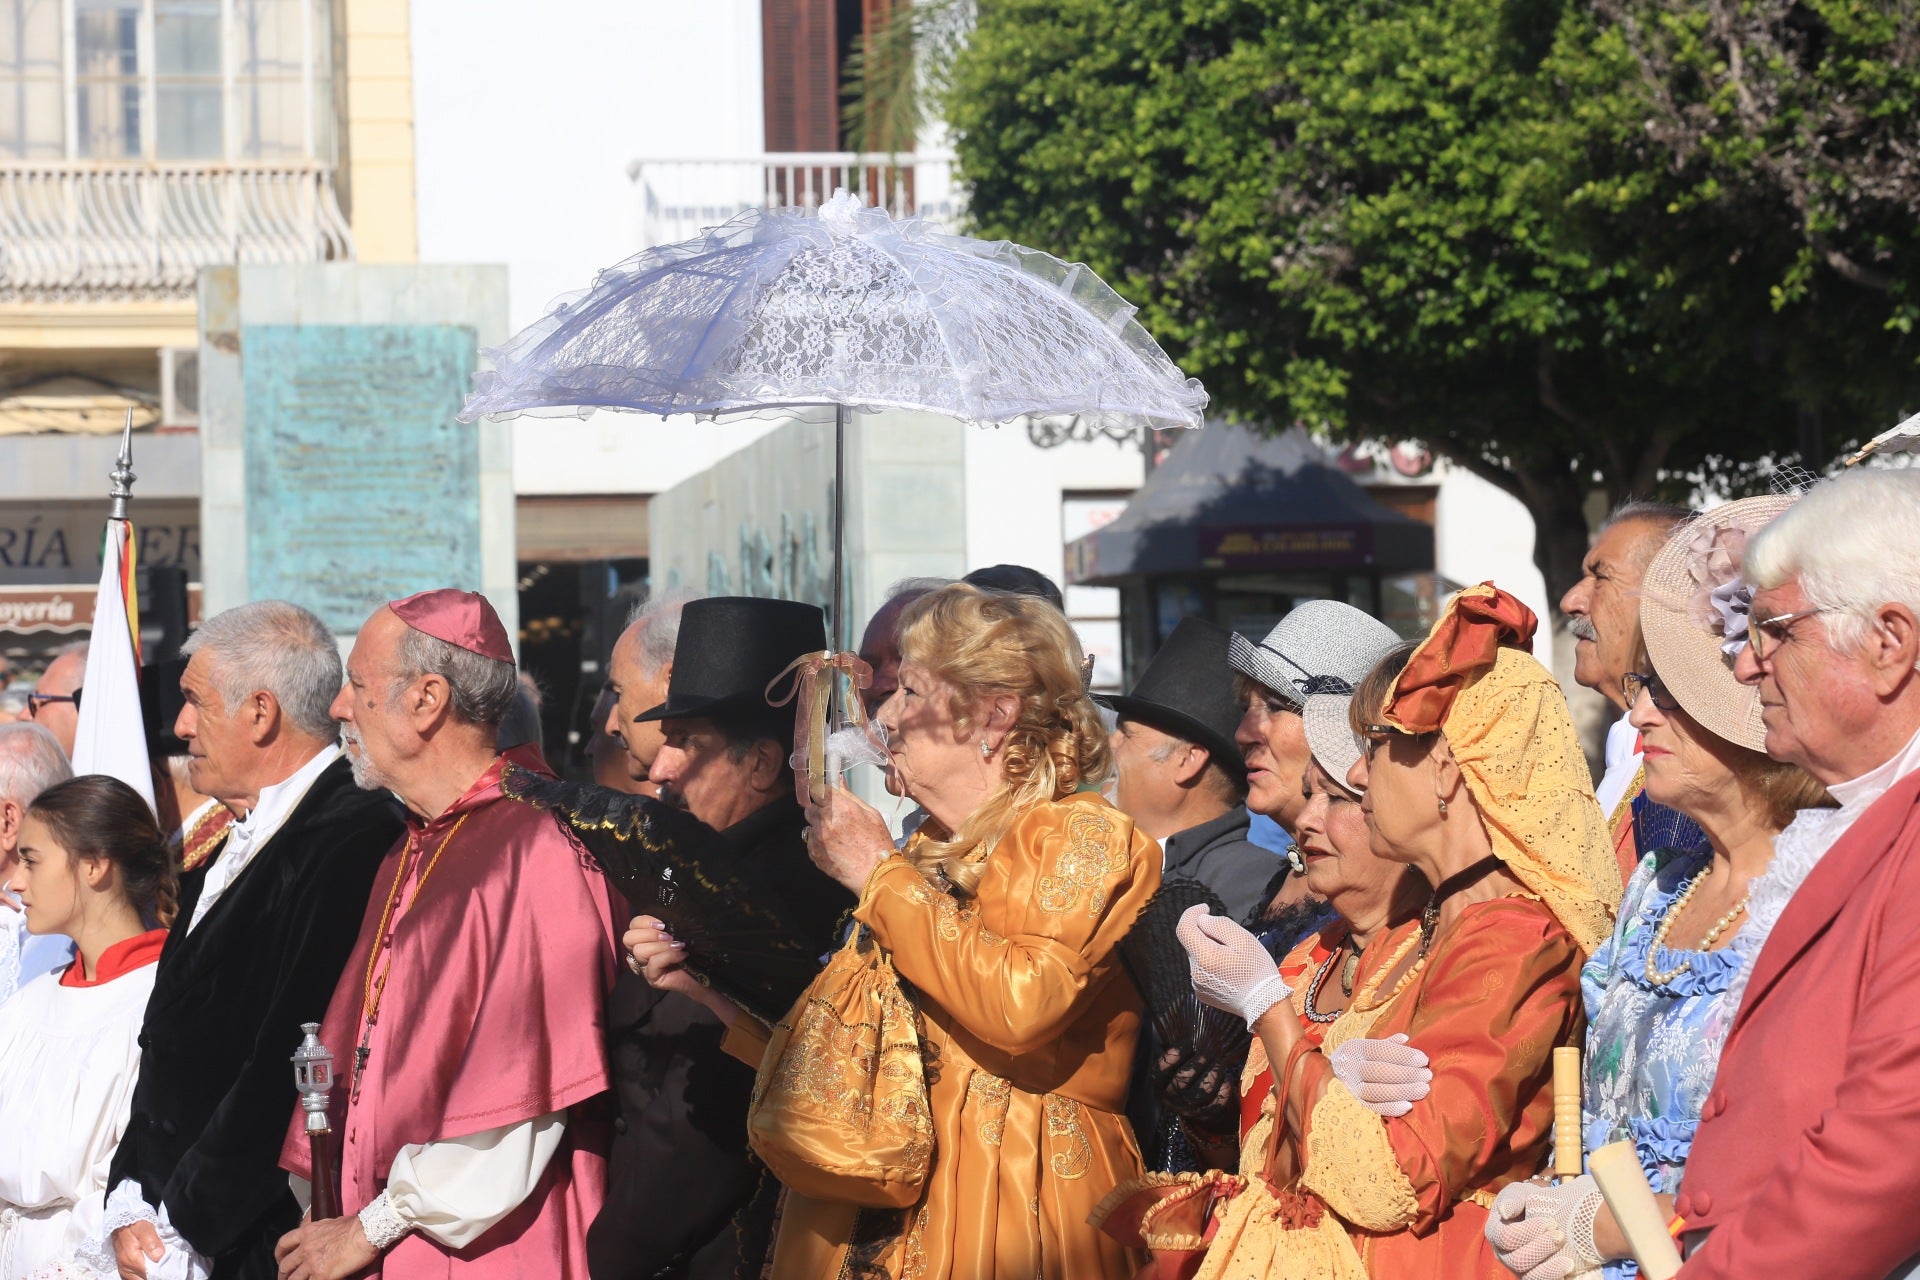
839	1108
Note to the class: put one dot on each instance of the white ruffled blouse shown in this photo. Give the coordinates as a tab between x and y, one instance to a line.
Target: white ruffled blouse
69	1057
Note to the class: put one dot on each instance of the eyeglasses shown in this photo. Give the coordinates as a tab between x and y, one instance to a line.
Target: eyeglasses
1373	735
1636	682
1765	634
35	701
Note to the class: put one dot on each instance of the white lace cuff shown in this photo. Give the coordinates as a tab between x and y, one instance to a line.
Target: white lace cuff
382	1222
126	1206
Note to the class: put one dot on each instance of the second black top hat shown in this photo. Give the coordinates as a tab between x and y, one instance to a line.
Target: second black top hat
730	648
1187	691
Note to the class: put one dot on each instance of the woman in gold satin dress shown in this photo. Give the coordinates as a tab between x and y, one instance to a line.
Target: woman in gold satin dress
1003	915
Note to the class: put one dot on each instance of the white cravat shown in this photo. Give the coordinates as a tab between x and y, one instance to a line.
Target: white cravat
247	836
1622	759
1798	850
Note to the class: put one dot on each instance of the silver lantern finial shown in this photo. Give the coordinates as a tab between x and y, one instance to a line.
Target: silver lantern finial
313	1076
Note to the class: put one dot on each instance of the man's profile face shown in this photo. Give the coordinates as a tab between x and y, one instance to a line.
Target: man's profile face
880	649
371	728
1603	608
1143	785
220	751
695	771
634	691
62	719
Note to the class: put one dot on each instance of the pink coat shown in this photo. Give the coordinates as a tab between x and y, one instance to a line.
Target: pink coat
493	1014
1807	1160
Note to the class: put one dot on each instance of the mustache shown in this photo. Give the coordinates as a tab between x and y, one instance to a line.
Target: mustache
1580	627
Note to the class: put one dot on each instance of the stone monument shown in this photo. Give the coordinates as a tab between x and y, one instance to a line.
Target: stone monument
333	472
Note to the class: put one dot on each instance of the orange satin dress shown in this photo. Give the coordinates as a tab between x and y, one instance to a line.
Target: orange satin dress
1030	1022
1498	991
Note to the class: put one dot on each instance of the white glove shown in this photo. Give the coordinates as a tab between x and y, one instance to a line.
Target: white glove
1231	970
1546	1233
1388	1076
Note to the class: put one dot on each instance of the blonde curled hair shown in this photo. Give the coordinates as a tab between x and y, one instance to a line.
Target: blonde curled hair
985	644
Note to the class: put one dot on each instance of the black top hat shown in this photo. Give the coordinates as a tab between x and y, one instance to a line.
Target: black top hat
729	649
1187	691
160	703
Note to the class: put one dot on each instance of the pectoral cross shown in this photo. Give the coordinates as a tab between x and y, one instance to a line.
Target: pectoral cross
360	1056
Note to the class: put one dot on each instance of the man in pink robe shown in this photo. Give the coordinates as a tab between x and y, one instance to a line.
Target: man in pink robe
470	1019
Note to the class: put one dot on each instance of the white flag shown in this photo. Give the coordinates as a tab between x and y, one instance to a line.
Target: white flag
112	738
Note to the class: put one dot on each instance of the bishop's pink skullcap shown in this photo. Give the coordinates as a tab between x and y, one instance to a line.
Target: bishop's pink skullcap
463	619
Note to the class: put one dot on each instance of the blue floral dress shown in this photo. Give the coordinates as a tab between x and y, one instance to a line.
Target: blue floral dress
1652	1050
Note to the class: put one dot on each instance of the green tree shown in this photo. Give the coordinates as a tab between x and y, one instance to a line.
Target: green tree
1451	220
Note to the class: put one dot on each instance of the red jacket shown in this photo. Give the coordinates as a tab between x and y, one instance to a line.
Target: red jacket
1807	1160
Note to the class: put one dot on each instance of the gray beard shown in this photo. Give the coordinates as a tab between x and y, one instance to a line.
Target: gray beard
365	775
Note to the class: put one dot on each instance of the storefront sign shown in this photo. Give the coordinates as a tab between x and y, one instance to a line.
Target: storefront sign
39	540
60	609
1281	547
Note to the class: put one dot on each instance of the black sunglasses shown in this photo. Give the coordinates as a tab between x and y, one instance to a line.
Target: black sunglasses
35	701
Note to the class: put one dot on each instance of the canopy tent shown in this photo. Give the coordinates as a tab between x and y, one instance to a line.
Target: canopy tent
1229	500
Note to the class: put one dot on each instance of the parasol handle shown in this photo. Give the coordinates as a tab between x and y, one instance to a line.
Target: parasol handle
1616	1170
1566	1112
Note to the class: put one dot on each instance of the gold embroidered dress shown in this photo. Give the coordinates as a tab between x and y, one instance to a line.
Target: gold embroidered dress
1030	1024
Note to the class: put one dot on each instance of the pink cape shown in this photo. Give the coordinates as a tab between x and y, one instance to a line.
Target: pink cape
493	1014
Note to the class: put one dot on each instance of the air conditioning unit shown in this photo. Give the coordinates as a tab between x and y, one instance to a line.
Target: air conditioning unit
179	386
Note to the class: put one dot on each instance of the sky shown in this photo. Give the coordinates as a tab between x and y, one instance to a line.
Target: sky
526	117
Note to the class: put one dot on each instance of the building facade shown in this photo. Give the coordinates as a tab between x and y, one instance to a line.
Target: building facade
140	141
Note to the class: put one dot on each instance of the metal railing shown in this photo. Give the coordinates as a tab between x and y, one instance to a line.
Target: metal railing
681	198
77	232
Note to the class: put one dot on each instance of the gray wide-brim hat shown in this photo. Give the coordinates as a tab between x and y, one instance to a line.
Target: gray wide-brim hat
1684	632
1321	646
1330	736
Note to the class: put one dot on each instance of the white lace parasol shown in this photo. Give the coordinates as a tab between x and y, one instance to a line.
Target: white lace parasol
1904	438
845	307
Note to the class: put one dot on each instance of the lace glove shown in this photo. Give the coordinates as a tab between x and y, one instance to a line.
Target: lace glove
1546	1233
1231	971
1388	1076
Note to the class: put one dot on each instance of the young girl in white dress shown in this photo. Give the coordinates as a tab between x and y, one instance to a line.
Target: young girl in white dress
93	866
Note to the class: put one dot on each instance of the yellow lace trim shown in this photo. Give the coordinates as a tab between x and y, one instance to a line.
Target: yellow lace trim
1351	1165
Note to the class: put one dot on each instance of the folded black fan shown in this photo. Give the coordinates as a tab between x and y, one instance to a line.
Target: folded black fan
1198	1045
755	926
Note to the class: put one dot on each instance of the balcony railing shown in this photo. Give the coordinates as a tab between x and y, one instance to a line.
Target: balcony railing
78	232
681	198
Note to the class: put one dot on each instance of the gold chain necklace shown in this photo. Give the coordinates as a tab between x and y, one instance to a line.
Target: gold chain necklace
373	991
1665	927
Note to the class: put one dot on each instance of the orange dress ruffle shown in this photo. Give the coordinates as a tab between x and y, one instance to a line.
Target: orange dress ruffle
1499	991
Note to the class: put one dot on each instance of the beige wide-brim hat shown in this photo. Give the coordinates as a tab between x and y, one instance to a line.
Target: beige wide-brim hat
1683	629
1330	735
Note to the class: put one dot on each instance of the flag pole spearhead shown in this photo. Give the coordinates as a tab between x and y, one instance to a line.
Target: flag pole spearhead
122	473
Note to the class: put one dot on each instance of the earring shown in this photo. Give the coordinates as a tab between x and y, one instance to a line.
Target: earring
1443	806
986	752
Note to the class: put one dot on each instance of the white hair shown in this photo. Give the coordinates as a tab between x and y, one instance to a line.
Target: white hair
482	688
277	646
658	618
30	761
1854	543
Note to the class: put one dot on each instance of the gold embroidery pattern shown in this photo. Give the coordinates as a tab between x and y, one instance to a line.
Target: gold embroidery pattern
913	1262
1063	1121
990	1094
1083	869
850	1073
949	912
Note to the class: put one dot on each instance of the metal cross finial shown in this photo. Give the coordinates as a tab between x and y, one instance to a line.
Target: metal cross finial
122	473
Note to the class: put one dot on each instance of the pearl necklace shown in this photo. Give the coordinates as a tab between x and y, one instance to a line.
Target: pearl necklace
1674	908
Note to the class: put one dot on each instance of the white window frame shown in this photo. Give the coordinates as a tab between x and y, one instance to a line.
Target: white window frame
149	81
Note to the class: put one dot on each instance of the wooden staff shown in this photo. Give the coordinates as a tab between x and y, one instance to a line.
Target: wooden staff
1567	1137
1616	1170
